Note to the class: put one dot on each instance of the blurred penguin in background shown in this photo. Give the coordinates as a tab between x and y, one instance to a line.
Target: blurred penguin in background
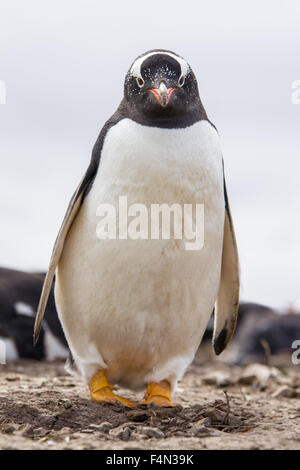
19	296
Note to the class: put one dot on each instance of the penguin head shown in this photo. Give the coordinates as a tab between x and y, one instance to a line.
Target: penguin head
160	85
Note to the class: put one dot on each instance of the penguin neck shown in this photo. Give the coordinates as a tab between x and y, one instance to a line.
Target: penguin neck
177	122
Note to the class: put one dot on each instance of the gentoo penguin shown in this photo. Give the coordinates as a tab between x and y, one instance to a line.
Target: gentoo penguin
249	313
19	297
134	310
264	328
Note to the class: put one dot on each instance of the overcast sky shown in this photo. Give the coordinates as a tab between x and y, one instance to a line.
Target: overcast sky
64	62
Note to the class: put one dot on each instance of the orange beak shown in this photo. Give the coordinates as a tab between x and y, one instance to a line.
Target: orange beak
162	94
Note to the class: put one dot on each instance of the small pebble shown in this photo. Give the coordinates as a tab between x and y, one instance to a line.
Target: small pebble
152	432
103	427
8	428
137	416
124	435
51	443
67	405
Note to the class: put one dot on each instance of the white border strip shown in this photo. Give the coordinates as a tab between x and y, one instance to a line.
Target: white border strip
135	70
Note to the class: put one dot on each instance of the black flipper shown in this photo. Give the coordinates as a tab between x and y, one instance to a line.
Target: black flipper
228	295
73	209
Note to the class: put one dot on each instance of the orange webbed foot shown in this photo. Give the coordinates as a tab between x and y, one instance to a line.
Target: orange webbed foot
102	391
158	393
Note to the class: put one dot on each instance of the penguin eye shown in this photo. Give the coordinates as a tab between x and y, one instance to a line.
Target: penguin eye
181	81
140	82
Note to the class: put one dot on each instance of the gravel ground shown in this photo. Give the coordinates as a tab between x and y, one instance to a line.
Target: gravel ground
219	407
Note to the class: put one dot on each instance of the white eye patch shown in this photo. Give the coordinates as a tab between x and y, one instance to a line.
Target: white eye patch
135	70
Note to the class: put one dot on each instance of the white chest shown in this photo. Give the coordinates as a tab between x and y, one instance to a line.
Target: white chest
124	296
151	165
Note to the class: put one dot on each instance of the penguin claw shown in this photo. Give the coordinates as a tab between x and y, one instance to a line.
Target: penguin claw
111	399
158	394
158	401
102	391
